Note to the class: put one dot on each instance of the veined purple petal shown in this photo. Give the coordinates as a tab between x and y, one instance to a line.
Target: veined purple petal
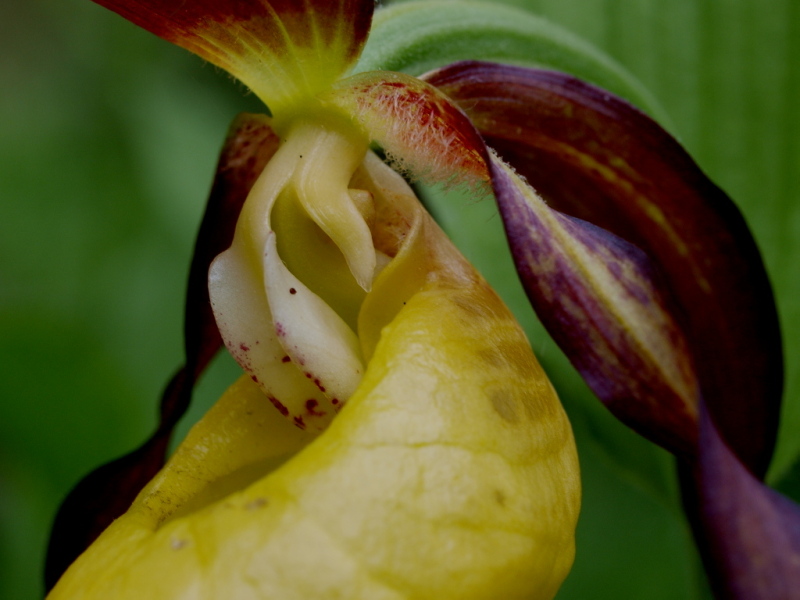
595	157
598	297
107	492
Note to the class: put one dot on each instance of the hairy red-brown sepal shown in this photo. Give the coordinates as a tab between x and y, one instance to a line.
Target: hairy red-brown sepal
593	156
599	297
421	130
748	534
107	492
276	47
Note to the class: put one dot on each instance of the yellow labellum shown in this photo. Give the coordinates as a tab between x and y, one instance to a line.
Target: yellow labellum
451	473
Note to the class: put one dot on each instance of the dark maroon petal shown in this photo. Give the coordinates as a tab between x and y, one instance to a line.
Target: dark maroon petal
107	492
279	48
598	296
749	534
595	157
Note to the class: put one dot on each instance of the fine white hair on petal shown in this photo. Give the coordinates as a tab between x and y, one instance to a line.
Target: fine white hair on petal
424	135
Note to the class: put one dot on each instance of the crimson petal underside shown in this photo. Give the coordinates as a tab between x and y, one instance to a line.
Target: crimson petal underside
107	492
281	49
597	158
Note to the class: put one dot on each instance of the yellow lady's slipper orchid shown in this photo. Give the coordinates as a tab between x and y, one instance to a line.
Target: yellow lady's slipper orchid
423	453
450	469
451	473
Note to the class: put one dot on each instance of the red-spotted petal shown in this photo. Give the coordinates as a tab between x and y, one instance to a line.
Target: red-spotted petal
282	49
593	156
107	492
421	131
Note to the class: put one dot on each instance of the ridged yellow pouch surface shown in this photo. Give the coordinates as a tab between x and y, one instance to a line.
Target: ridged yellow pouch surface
451	472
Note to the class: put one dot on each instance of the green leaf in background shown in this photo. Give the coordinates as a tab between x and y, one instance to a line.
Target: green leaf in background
108	140
416	37
789	483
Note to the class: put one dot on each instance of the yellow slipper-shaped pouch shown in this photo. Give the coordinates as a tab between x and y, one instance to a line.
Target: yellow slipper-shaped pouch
450	472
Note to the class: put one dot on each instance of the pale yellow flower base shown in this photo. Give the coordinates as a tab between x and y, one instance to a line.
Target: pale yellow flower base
451	473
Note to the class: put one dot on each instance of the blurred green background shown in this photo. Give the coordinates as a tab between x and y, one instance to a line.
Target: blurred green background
108	140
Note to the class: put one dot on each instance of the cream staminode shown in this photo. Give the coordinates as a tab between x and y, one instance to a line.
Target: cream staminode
321	222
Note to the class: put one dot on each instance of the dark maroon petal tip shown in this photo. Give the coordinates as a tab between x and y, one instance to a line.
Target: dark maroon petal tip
276	47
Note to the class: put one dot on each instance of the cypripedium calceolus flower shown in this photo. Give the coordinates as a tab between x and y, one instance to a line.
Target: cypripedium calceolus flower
447	467
393	435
